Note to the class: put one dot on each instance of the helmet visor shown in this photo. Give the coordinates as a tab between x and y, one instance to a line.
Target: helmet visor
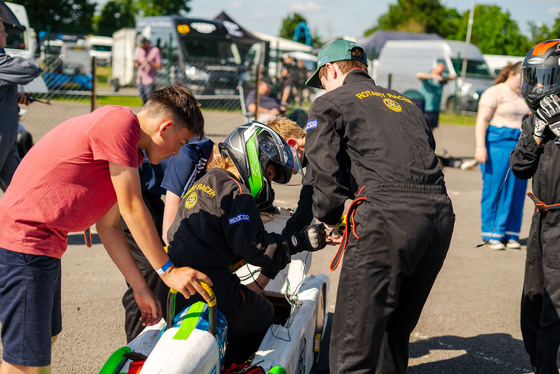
540	81
284	159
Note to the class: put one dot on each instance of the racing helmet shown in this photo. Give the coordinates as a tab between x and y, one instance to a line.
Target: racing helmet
540	72
253	147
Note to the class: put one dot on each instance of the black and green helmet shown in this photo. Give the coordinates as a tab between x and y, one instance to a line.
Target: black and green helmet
253	147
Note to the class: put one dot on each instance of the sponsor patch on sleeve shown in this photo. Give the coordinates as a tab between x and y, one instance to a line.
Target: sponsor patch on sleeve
311	125
238	218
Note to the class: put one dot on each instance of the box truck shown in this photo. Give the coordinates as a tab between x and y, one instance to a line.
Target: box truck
198	53
400	60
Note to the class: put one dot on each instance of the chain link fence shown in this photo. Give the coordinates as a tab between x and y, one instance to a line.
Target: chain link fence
67	90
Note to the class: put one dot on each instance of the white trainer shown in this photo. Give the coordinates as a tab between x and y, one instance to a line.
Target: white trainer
513	244
495	244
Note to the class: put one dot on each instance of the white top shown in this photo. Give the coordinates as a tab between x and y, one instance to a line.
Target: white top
509	106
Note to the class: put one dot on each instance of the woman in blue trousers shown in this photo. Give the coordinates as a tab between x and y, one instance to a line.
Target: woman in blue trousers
498	127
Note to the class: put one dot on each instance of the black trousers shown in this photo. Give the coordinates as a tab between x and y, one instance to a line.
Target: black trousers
386	277
248	314
540	303
132	324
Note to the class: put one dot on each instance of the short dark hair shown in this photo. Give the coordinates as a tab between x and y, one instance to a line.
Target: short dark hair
179	103
347	65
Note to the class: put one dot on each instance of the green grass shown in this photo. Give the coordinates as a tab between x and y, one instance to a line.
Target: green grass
103	75
457	119
119	100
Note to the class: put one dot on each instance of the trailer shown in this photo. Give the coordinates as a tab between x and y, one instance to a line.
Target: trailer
124	47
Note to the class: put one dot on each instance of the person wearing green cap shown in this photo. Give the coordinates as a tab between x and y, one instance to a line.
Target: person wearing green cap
401	219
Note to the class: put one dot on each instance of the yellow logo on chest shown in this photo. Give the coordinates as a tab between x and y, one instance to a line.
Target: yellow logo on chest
393	105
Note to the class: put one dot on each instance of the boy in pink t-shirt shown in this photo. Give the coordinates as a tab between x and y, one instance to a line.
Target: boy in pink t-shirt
84	172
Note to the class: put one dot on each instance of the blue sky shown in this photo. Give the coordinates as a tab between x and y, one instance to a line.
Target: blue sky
351	17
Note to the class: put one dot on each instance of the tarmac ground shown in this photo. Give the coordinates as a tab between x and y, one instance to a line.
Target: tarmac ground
470	323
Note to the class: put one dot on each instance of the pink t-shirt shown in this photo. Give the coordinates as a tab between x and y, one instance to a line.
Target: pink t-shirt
63	184
509	106
147	74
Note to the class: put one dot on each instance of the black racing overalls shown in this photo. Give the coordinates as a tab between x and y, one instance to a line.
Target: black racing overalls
402	229
540	303
218	224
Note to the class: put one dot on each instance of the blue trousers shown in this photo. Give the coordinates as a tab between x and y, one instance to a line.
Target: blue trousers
502	198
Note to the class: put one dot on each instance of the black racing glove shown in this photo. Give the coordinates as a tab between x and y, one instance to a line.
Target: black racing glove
549	112
311	238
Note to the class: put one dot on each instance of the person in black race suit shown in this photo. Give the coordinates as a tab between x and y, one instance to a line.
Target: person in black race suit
403	218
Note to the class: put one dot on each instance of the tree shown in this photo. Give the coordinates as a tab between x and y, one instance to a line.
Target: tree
493	31
163	7
555	30
422	16
115	15
539	33
67	16
289	26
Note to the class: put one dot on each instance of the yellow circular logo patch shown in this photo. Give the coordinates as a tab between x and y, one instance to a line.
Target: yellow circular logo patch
393	105
191	200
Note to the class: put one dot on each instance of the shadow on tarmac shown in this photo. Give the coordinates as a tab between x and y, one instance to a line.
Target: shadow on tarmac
487	353
79	239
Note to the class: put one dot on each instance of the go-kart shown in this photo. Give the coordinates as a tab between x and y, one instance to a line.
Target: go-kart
196	339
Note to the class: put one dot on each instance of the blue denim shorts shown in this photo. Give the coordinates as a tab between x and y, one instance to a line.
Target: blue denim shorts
30	292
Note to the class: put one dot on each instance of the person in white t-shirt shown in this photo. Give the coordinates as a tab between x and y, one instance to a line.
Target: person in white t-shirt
498	127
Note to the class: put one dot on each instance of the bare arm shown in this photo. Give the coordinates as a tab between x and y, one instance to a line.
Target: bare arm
423	75
483	118
154	64
251	107
114	241
172	202
126	182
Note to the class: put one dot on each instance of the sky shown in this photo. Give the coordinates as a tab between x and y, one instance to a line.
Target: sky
331	18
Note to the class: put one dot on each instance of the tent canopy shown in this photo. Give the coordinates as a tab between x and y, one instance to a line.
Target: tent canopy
243	38
283	45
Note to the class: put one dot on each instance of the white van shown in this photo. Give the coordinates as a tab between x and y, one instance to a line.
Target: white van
21	43
400	60
100	47
497	62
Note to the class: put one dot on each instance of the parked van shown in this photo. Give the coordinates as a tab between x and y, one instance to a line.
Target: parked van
100	47
21	43
497	62
400	60
51	51
198	53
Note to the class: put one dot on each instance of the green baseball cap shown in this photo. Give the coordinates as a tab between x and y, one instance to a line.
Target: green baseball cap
339	50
